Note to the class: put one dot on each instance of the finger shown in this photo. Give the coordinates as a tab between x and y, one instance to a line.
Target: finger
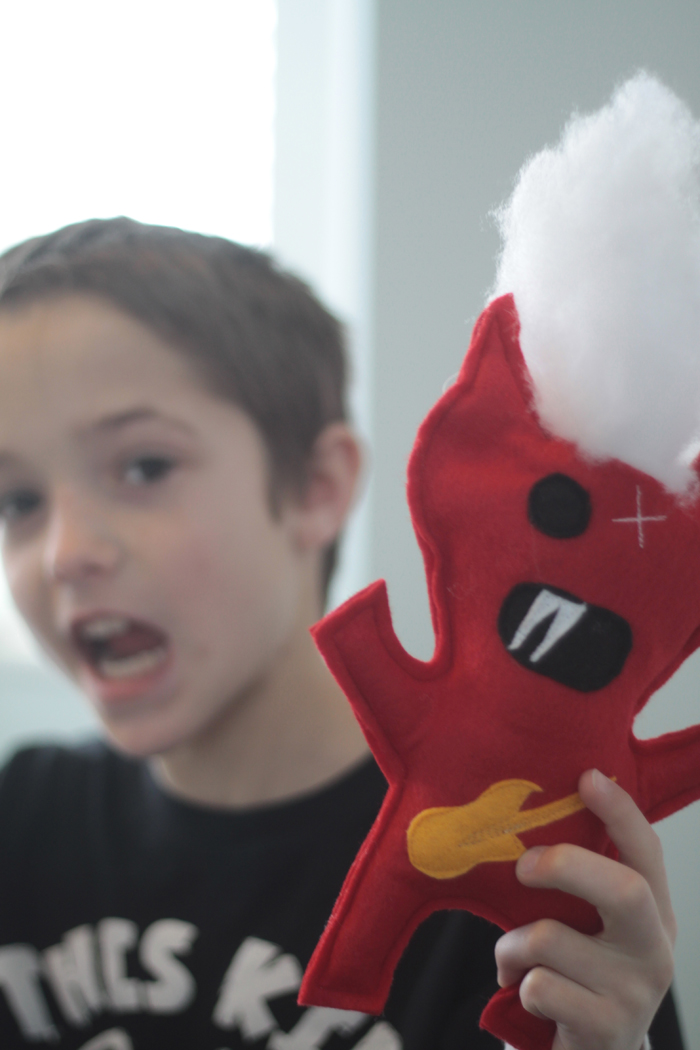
638	844
590	991
547	994
584	1019
622	896
551	944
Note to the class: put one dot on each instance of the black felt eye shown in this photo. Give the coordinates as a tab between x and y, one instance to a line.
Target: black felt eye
559	507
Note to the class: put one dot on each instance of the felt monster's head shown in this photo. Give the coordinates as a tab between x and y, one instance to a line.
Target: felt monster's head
548	568
552	487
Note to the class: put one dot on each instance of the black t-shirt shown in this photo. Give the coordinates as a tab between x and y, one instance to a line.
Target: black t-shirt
126	912
130	920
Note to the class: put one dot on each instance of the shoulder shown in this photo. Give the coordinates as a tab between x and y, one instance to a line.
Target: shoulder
38	782
35	768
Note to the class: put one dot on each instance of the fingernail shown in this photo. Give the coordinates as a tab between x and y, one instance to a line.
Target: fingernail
600	782
529	860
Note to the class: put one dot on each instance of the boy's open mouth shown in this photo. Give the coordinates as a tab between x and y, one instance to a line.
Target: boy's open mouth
119	647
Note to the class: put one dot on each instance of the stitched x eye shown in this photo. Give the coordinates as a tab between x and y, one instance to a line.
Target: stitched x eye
559	507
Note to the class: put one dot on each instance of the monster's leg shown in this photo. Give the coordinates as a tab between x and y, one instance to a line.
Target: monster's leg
506	1018
379	907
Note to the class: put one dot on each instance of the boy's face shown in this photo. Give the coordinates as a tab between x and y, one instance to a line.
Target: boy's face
137	532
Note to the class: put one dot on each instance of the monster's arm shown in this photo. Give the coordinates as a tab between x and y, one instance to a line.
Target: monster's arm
387	687
668	769
383	897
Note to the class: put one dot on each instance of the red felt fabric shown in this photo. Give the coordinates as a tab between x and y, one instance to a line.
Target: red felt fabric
445	730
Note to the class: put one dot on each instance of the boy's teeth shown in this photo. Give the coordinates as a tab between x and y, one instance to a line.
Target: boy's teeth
131	666
104	627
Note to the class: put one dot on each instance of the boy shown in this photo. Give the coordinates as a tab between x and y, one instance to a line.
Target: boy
175	467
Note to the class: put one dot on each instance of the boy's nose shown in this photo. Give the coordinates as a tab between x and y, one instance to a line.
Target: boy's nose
78	544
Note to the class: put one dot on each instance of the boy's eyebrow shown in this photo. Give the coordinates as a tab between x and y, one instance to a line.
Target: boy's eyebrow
111	423
135	415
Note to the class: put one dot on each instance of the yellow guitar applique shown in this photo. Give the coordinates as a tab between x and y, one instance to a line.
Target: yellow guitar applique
451	840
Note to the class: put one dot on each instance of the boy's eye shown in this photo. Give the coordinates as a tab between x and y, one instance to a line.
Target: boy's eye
18	504
146	469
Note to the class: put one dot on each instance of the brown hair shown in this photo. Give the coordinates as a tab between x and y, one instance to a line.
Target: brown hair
256	334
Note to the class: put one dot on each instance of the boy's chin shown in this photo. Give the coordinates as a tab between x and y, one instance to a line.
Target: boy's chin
143	737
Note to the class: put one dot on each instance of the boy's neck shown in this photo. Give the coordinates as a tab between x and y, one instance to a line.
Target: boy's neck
288	735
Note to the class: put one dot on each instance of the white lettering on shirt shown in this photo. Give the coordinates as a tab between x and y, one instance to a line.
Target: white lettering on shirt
71	969
315	1027
88	974
20	970
257	972
381	1037
117	937
161	943
114	1039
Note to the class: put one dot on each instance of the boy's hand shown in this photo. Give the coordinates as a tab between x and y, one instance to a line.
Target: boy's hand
601	991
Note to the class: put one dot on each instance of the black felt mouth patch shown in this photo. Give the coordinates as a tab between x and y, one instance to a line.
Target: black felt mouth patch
558	635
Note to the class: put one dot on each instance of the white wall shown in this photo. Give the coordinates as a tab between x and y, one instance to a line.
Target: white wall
322	211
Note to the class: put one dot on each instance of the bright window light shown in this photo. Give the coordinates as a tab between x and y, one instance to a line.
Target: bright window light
157	109
162	111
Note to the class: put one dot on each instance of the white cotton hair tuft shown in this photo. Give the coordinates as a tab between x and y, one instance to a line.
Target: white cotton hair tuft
601	250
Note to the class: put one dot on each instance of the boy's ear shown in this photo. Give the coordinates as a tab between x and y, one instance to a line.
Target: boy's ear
320	511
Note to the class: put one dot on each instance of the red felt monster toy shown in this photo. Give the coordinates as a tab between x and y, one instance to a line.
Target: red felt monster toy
564	586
